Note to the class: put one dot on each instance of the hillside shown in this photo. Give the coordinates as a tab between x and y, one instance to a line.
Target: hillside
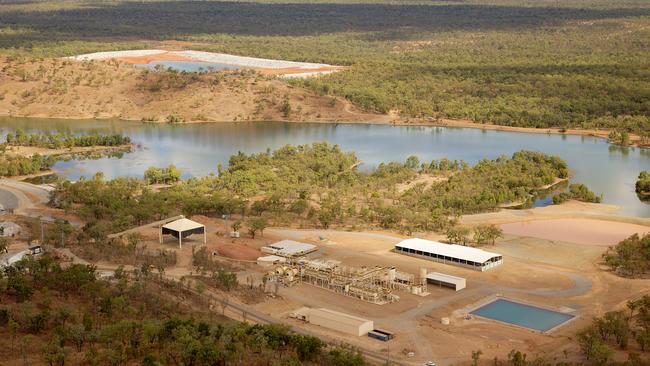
540	64
109	89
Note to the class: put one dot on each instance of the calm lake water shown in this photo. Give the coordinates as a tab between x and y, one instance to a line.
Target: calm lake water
197	149
189	66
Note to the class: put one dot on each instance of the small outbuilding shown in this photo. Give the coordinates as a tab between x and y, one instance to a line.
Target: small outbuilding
269	260
445	280
8	228
289	248
182	228
14	258
335	320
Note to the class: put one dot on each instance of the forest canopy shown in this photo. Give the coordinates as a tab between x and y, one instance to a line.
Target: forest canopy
319	185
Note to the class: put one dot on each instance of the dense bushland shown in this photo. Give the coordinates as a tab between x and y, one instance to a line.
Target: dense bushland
642	185
630	257
65	315
318	185
17	165
57	141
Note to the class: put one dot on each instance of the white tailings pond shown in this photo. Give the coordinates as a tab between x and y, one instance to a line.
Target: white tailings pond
206	61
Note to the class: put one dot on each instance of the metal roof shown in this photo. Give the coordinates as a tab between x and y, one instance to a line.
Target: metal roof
183	224
291	247
333	316
14	258
437	276
448	250
271	258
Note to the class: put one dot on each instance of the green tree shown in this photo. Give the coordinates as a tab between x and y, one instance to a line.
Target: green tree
458	235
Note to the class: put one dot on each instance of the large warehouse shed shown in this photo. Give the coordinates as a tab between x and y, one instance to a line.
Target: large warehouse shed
334	320
457	255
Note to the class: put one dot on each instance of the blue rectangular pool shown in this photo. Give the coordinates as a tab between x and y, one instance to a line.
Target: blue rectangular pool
522	315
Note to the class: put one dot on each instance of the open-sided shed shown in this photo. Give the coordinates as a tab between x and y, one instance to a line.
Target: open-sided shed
445	280
182	228
457	255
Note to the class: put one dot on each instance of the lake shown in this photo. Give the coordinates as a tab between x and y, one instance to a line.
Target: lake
197	149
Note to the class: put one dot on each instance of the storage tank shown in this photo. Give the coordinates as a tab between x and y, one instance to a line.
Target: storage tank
392	273
423	273
444	321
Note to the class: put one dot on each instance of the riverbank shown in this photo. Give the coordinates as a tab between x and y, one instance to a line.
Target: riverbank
28	151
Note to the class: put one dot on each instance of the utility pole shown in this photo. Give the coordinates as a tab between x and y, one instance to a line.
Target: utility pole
388	358
40	219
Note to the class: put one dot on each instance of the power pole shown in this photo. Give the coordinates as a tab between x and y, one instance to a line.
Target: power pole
40	219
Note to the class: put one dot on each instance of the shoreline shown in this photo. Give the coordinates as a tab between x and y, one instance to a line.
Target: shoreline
64	153
381	120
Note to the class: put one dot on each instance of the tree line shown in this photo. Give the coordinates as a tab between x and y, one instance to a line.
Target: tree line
64	314
19	165
57	141
316	185
630	257
642	185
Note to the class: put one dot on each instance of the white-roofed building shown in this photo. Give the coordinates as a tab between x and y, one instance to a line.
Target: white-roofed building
270	260
14	258
182	228
445	280
8	228
457	255
335	320
289	248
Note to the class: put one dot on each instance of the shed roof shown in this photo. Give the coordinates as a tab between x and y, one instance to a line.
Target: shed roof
291	246
271	259
437	276
448	250
338	317
9	225
14	258
183	224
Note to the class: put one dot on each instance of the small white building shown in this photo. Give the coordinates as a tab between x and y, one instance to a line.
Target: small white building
335	320
14	258
289	248
453	254
445	280
8	228
270	260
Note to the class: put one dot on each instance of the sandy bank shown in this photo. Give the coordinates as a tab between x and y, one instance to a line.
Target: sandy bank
580	231
27	151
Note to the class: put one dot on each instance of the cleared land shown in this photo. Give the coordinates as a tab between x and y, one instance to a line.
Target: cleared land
582	231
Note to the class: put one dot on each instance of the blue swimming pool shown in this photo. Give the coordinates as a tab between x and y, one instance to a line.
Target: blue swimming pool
522	315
